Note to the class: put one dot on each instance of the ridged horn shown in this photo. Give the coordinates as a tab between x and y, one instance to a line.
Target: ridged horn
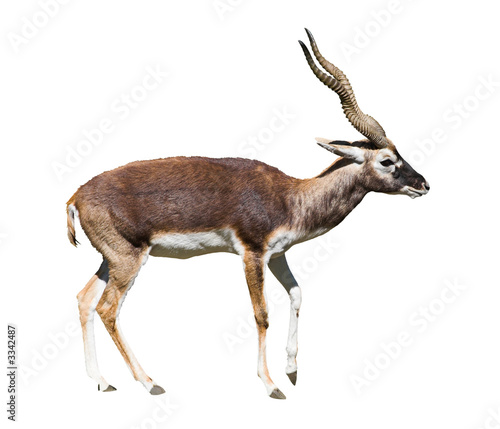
339	83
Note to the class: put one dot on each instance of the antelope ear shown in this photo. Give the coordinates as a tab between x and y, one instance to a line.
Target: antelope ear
343	148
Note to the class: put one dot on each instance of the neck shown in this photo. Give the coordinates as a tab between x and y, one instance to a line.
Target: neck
325	200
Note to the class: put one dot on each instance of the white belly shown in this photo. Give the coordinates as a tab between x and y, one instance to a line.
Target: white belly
187	245
183	246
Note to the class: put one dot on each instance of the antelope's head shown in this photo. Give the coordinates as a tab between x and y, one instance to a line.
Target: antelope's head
383	168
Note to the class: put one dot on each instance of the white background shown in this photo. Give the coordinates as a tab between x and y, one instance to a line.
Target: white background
229	70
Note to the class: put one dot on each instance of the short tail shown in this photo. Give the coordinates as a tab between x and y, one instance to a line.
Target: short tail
70	212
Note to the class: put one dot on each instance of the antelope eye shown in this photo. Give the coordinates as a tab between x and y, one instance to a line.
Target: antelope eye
387	162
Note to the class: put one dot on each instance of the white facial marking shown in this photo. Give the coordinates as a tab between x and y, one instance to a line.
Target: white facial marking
384	155
412	192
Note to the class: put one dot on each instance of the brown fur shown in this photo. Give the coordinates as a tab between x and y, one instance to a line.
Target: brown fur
128	206
122	273
122	210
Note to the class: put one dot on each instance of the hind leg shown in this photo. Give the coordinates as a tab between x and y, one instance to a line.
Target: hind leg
88	299
122	273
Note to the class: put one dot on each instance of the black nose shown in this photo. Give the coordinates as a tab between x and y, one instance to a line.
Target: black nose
427	187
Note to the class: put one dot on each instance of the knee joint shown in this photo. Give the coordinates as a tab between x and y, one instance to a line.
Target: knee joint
262	320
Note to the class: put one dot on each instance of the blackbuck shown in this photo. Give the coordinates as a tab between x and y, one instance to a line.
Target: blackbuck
188	206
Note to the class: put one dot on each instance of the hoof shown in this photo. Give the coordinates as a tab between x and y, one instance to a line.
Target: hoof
157	390
293	377
108	389
277	394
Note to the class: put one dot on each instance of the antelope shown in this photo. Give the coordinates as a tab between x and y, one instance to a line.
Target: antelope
182	207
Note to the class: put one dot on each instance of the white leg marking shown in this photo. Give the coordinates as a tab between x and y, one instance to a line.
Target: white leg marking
262	370
292	343
255	273
281	271
87	312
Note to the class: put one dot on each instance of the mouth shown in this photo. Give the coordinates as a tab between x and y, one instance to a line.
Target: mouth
414	193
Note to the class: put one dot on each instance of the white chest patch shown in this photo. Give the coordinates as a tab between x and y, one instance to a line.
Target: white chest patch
183	246
283	239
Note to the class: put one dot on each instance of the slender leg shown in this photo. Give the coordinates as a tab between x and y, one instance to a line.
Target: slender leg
88	299
121	279
254	272
281	271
